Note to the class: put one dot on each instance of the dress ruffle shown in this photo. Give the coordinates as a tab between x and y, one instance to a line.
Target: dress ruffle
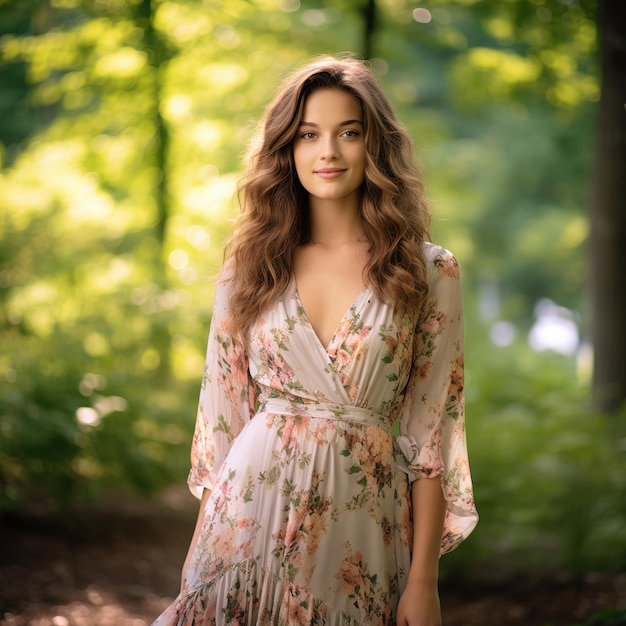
259	599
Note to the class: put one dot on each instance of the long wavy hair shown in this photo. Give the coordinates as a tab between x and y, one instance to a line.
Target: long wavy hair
275	218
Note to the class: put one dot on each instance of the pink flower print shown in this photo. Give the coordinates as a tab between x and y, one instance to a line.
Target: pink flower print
315	525
359	352
267	346
436	470
299	608
342	358
221	495
285	377
387	529
351	341
350	574
377	442
225	544
355	342
353	389
422	371
246	522
299	614
294	520
357	450
287	433
365	331
454	405
447	265
435	322
293	429
463	466
391	343
338	336
324	429
275	383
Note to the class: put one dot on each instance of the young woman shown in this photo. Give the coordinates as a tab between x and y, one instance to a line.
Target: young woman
334	319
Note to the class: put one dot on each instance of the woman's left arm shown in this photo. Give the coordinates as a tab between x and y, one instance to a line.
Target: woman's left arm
419	604
432	440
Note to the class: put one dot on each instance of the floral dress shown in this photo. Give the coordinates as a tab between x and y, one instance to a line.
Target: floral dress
309	517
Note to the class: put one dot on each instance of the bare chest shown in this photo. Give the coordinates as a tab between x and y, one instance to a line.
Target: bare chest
328	282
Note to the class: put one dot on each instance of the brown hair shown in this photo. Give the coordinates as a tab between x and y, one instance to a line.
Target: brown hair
275	219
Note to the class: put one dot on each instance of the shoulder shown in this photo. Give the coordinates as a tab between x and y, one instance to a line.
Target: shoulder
224	283
439	262
226	279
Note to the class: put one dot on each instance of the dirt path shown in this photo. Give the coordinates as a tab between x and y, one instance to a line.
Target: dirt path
119	566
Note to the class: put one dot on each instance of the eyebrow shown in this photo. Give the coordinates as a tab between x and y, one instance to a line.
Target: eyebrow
346	123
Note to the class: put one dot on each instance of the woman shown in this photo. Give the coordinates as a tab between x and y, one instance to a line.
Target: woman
334	318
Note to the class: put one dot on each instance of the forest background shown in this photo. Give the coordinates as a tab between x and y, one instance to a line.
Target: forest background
123	124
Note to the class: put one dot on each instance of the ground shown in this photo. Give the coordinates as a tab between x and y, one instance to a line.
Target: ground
119	564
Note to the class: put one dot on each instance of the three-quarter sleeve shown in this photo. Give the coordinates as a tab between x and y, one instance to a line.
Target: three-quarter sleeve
226	396
432	424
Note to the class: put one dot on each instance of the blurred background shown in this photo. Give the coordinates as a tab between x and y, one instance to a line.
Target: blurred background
123	124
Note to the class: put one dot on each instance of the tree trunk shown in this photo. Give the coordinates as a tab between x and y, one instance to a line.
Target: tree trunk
370	19
608	215
159	55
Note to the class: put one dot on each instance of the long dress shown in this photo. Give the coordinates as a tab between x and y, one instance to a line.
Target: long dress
309	517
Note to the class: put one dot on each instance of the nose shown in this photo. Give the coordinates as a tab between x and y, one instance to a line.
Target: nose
330	149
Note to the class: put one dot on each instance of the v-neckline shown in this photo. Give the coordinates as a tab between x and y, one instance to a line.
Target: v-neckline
354	305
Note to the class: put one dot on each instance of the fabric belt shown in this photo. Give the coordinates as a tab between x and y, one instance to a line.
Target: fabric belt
327	410
405	448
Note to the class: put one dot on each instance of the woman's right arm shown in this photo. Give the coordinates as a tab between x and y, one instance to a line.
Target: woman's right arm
227	397
194	540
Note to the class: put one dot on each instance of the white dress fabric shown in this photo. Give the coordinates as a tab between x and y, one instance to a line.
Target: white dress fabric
309	518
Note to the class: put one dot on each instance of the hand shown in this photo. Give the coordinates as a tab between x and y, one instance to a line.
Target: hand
419	606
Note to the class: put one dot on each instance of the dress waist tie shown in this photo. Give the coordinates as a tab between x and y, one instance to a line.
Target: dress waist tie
405	448
327	410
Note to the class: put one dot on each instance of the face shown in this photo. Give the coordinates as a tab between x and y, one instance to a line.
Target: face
329	149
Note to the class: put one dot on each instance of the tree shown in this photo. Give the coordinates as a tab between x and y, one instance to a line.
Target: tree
126	128
608	214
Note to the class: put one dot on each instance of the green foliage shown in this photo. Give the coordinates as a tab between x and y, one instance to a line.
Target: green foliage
122	127
610	617
549	471
69	432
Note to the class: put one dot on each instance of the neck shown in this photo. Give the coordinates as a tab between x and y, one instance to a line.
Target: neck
333	225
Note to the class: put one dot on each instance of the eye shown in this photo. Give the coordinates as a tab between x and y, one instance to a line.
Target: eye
351	134
307	135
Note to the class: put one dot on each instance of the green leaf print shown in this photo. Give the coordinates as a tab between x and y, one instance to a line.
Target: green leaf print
222	426
248	492
288	488
270	477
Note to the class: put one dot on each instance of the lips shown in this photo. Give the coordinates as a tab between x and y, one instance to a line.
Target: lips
330	172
